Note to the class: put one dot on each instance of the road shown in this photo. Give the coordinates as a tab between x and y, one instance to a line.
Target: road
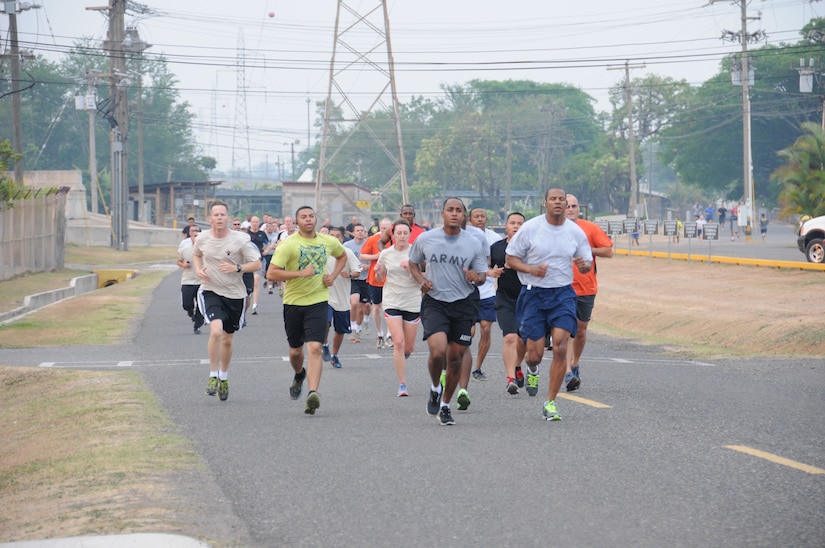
652	451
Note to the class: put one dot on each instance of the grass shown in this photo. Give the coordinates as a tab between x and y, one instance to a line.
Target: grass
78	321
87	453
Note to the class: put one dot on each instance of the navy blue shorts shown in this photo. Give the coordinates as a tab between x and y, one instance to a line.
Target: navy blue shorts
339	320
487	309
376	294
540	309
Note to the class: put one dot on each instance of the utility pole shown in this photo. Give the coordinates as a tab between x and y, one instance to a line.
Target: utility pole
747	164
633	207
118	119
11	8
133	43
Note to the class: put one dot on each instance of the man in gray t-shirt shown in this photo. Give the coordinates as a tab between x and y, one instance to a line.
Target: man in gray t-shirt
456	265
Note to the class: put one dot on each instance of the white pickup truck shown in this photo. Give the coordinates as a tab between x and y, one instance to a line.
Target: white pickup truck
810	237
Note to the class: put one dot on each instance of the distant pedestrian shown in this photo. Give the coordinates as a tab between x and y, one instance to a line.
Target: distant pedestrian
763	226
189	282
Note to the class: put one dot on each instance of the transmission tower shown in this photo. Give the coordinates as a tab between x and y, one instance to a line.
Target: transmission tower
361	53
240	129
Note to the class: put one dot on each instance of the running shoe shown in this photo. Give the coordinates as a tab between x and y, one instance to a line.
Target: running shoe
519	377
254	309
478	375
512	387
532	383
388	341
575	371
223	389
571	382
402	390
197	331
270	290
463	400
355	337
379	343
366	328
549	411
434	403
445	417
313	403
212	387
280	291
297	384
325	355
336	363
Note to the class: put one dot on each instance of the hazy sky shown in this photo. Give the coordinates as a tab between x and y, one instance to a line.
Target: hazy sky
434	42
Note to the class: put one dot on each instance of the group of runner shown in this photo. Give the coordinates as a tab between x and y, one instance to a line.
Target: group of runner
430	277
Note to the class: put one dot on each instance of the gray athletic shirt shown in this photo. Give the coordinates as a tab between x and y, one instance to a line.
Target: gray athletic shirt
447	257
355	247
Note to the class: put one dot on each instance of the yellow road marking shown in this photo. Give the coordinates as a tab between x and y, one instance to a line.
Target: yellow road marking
777	459
591	403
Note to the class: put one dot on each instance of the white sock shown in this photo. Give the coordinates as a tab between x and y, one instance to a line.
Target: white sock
213	374
367	320
223	375
436	389
536	372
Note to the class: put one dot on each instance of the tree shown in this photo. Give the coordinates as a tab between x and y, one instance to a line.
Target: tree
704	143
803	175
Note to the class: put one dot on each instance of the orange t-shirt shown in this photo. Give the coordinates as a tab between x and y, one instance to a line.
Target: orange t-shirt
585	284
371	248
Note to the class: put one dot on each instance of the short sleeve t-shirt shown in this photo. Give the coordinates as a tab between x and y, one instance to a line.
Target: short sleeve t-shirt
539	242
401	291
586	284
340	289
447	257
297	253
356	247
188	276
371	248
235	247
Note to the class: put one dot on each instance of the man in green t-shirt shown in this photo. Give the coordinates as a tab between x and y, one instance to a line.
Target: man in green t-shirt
300	260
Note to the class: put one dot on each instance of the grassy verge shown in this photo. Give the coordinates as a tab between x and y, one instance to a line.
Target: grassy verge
79	320
87	453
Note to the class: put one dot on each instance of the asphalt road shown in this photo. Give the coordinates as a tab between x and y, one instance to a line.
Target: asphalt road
643	457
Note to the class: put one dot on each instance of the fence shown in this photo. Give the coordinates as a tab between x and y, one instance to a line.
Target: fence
32	232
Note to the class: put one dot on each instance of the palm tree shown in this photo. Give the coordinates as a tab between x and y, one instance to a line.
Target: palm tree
803	175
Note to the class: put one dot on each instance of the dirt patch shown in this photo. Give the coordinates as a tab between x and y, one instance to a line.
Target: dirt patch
711	309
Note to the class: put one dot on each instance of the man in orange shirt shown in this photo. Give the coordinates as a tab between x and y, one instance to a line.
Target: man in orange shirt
370	252
585	286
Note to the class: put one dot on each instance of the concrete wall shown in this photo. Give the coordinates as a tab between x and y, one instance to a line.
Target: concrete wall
78	286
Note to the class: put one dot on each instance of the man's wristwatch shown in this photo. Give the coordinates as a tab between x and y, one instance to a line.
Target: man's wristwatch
239	267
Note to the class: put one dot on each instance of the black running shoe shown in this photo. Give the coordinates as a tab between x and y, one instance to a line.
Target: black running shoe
297	384
434	403
444	416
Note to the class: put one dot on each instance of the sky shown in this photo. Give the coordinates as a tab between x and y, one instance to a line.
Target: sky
287	48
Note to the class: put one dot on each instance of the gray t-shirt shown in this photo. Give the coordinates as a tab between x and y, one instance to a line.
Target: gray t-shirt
355	247
447	257
538	242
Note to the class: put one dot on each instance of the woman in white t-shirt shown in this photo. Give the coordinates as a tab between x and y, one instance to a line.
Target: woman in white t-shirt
402	298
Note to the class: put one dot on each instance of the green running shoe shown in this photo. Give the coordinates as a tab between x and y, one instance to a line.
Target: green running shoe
313	403
223	390
532	382
463	400
212	387
549	412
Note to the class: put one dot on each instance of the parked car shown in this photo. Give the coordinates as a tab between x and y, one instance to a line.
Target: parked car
811	234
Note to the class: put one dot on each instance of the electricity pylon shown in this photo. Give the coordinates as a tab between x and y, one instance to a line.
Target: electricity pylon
362	38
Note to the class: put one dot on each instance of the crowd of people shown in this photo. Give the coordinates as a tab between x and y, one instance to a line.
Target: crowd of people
457	281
